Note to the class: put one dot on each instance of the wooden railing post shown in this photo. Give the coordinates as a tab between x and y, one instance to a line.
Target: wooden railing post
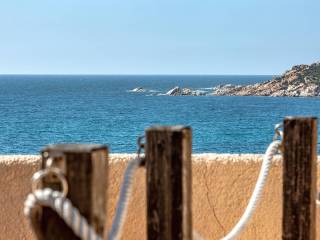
299	178
168	164
85	168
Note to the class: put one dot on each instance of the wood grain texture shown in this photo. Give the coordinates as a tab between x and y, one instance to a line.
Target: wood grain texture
85	168
299	178
168	164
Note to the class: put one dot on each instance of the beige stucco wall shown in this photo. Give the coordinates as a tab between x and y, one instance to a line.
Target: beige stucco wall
222	185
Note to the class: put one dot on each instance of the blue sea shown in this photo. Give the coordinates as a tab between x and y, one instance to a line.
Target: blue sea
36	110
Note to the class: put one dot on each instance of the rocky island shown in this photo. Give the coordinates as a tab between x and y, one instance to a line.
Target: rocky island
301	81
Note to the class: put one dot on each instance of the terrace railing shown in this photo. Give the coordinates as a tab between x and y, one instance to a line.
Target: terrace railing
77	179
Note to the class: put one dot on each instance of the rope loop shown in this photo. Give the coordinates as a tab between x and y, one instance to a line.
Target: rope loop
38	176
278	133
57	201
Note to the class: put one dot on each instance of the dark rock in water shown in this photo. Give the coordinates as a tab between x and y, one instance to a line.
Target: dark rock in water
301	81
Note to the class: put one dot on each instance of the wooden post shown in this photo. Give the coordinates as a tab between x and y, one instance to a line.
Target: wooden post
85	168
299	178
168	164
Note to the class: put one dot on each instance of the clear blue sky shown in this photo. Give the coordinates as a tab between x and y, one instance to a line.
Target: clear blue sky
157	37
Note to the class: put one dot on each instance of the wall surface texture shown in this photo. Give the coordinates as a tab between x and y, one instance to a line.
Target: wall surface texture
222	186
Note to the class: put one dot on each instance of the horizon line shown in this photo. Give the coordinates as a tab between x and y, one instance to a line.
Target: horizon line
136	74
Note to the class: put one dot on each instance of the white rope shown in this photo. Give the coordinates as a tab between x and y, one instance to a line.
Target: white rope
55	200
256	195
123	202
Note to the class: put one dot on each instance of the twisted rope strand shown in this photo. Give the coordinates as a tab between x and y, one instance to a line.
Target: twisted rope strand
256	195
123	202
64	208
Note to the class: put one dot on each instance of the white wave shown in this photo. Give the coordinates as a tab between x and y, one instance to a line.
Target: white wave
207	88
137	89
153	91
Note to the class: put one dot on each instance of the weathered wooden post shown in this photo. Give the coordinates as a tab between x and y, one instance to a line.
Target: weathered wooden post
168	164
85	168
299	178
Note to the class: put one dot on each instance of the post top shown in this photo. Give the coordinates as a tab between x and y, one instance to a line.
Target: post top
300	118
73	148
161	128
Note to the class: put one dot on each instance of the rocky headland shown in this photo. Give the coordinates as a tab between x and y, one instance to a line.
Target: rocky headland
301	81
